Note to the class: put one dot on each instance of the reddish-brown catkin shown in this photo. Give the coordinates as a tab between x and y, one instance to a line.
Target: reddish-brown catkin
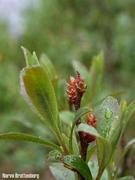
92	121
76	87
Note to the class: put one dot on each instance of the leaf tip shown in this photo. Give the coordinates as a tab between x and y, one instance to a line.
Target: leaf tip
30	58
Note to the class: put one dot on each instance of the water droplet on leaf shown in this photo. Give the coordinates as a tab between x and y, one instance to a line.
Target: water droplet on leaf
108	113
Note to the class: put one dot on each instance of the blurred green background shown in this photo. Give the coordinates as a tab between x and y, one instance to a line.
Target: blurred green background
65	30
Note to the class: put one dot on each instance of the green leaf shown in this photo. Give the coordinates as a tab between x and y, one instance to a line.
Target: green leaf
127	114
104	150
108	112
110	125
78	115
62	101
29	138
91	149
79	165
95	79
93	165
123	105
49	68
114	95
39	93
102	144
55	155
65	137
98	62
104	153
61	173
31	59
89	129
67	117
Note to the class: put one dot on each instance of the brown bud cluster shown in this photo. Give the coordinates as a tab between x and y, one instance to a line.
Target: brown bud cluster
92	121
76	87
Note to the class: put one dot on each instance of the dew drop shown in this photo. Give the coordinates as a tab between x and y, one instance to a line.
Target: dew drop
108	113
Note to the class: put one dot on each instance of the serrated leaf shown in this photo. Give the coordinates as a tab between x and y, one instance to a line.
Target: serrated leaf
61	173
39	93
79	165
28	138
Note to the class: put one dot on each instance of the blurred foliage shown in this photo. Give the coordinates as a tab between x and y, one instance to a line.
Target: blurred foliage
65	31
